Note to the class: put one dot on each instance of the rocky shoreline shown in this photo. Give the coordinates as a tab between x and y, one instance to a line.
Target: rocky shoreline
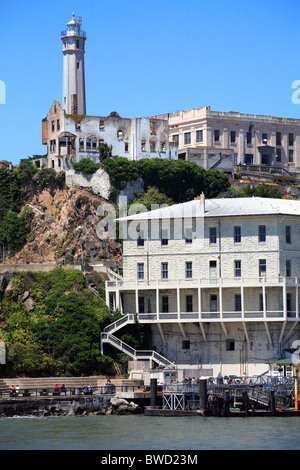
66	406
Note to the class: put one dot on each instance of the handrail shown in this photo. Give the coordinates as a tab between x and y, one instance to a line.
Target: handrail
40	392
129	318
141	354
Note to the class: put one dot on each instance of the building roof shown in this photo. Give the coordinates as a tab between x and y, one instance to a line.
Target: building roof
285	362
223	207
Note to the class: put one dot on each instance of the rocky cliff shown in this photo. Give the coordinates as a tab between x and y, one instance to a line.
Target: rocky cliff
64	229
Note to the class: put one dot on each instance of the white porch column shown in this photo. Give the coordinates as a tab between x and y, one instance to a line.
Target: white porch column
284	298
199	303
242	302
264	300
297	299
178	303
221	300
136	300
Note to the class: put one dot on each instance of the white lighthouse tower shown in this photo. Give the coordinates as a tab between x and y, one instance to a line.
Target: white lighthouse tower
73	40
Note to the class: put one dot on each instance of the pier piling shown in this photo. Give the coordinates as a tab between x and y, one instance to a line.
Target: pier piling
153	392
202	396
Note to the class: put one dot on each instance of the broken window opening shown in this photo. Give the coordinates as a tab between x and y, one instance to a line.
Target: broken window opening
120	134
163	146
152	146
143	145
153	127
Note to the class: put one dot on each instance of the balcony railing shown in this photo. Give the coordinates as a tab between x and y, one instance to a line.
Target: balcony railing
198	316
205	282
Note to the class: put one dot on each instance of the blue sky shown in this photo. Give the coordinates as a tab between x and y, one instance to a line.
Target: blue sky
147	57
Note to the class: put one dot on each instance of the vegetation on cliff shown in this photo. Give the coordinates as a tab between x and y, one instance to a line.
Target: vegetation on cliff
51	324
176	179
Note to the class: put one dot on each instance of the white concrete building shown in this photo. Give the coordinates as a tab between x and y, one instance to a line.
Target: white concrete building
223	140
70	134
217	280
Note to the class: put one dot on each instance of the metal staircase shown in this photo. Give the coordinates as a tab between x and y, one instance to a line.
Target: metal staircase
108	337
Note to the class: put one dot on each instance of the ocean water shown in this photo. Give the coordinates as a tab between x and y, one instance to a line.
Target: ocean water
138	432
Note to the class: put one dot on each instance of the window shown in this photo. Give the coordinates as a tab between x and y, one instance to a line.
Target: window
78	65
291	155
189	303
81	144
278	138
216	135
213	268
164	237
164	270
237	234
288	268
58	124
120	134
186	344
237	268
163	146
188	235
141	301
261	302
188	269
52	145
248	158
152	146
213	302
262	267
165	303
126	146
291	139
288	234
264	138
153	127
52	126
140	271
199	136
141	240
213	235
77	43
143	145
175	138
232	137
230	345
238	302
278	155
261	233
249	137
289	301
187	138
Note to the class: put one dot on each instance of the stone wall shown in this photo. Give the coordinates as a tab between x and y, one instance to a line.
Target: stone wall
99	183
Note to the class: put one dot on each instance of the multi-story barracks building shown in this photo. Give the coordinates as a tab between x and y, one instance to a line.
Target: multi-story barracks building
217	281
